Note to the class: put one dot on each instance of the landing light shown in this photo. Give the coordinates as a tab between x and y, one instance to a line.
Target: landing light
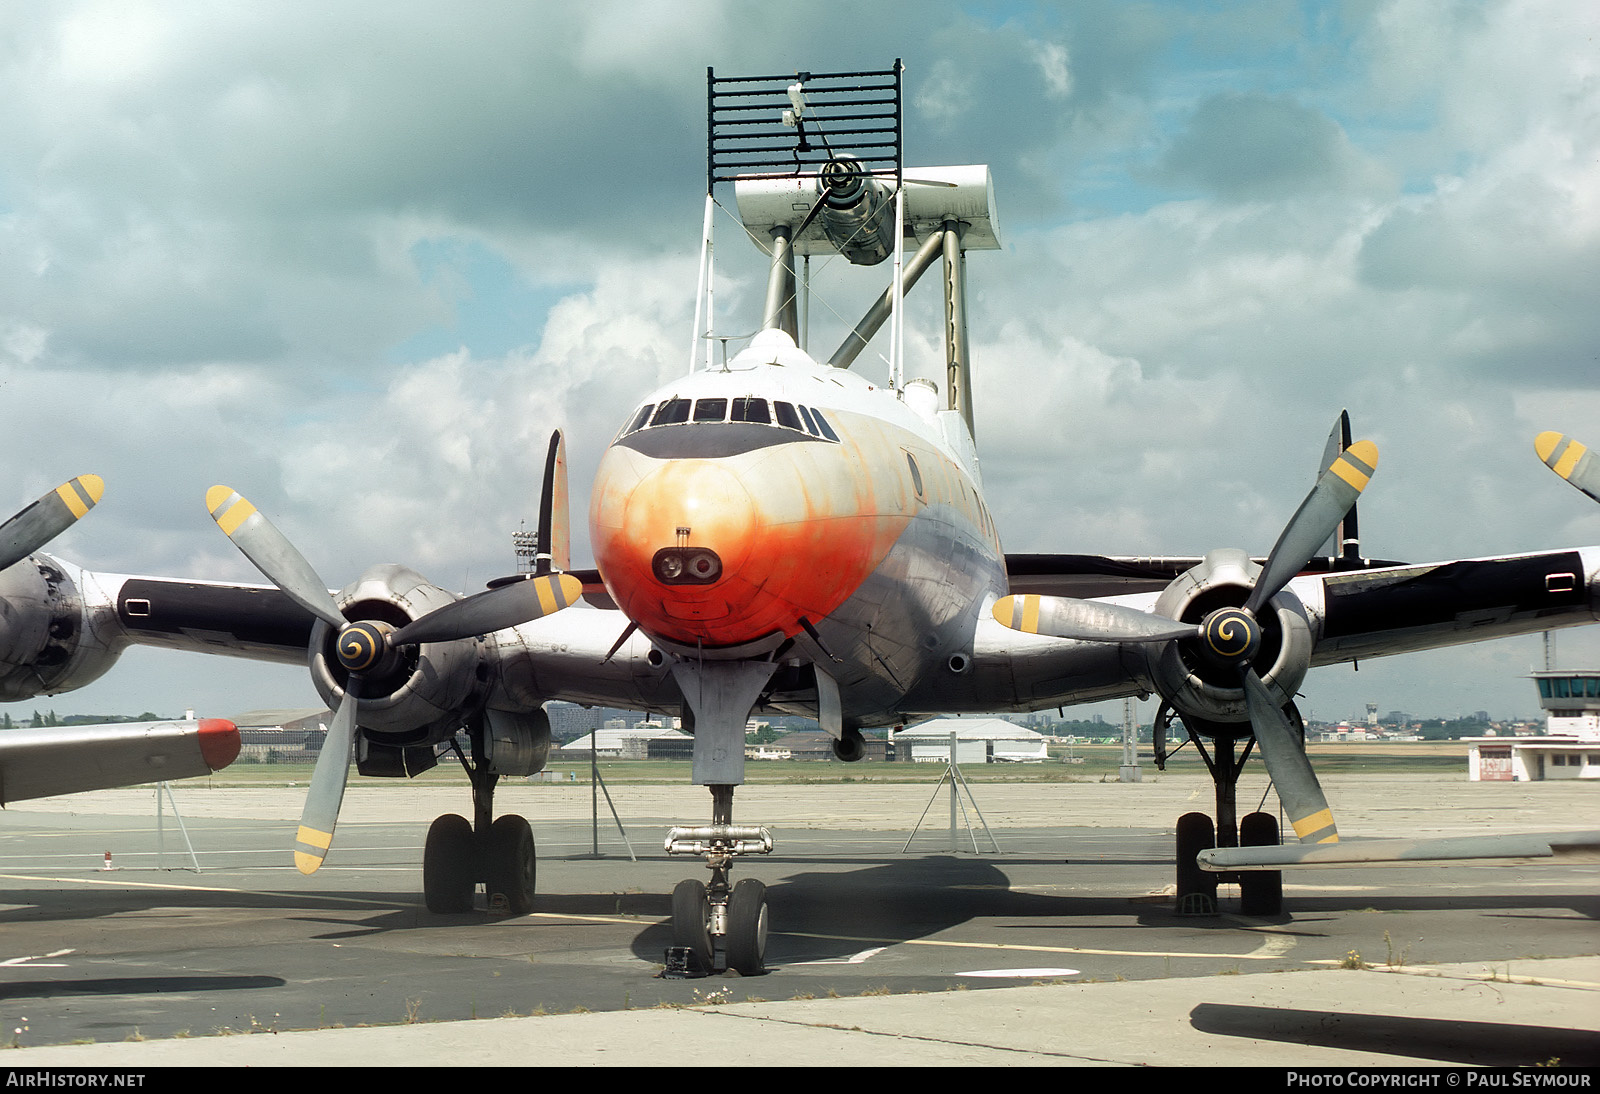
686	566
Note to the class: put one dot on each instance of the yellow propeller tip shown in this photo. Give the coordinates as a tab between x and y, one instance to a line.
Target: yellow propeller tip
217	495
306	864
1366	452
1546	442
93	485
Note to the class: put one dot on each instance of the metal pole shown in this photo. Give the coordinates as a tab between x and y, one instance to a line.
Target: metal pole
954	792
703	290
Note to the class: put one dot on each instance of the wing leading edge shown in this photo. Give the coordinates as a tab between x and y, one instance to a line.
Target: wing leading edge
41	763
1560	848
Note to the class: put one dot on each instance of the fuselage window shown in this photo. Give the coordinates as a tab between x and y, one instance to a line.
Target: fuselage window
671	412
710	410
786	415
916	473
751	410
822	424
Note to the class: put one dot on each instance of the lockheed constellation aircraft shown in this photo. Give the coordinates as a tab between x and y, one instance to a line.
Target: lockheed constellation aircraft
778	532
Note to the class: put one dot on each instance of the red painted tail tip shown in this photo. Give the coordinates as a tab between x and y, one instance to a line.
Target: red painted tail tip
219	742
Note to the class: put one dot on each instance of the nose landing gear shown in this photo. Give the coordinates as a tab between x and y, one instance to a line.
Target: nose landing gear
734	914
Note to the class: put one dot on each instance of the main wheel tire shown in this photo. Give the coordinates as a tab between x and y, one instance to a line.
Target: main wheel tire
1260	891
449	865
511	866
747	928
691	923
1195	834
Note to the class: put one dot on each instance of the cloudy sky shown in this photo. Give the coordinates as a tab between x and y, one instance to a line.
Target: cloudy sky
357	260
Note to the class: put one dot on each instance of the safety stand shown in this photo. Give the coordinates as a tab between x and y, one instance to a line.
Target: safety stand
597	786
161	849
952	772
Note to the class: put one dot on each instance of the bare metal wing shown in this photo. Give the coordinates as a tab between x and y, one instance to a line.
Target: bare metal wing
1560	848
40	763
1089	576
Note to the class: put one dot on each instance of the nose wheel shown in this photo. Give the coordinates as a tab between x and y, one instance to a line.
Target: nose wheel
734	915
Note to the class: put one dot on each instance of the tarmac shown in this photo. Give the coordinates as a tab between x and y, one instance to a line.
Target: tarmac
1449	1016
1523	1012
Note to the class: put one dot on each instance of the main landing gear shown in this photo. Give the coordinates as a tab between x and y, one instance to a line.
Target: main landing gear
1260	891
499	853
734	915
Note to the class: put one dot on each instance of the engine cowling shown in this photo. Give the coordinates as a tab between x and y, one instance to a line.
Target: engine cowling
48	643
1209	690
423	693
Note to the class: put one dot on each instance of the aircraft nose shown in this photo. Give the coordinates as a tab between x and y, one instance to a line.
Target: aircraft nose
686	532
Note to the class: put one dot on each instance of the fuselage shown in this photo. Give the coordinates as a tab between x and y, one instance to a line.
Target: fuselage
777	500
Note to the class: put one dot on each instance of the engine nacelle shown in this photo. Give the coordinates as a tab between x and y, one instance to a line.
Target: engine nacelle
430	690
1200	688
48	640
857	211
516	743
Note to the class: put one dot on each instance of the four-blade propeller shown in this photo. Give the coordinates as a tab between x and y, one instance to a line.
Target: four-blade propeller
366	648
1232	636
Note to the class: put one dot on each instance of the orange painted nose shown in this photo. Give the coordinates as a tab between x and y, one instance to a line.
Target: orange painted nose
676	548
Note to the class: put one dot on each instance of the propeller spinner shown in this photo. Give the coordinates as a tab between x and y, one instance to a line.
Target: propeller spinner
1230	637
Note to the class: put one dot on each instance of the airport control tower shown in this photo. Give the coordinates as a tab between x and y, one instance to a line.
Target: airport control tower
1570	745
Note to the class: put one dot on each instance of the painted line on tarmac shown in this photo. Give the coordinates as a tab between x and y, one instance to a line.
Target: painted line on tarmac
1269	949
123	883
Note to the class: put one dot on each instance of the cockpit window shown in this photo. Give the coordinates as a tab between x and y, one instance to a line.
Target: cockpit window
751	410
639	419
671	412
786	415
805	416
710	410
822	424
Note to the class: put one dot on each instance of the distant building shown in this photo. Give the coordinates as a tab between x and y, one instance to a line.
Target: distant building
623	742
284	736
1569	747
816	745
978	740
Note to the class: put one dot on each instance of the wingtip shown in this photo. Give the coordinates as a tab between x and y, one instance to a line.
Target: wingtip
219	742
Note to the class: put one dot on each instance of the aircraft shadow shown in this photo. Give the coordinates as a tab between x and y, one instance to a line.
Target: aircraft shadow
134	985
1478	1044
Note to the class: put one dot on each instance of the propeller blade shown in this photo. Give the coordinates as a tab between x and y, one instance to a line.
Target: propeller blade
1344	543
1316	519
555	521
47	518
272	553
1285	756
1086	620
1571	460
321	810
495	610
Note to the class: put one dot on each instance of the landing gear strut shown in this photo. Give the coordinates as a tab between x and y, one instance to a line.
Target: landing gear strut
734	914
1261	891
499	853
